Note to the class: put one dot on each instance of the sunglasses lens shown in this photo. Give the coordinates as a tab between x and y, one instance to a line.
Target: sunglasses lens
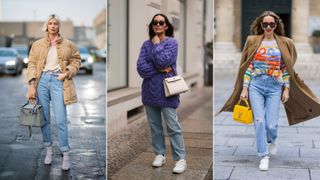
155	23
271	25
264	25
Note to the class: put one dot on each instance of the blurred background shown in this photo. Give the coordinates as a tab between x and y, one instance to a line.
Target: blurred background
84	23
232	26
20	26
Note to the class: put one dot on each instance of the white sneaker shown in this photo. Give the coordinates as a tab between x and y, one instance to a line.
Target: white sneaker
159	160
66	161
48	158
273	148
264	163
180	167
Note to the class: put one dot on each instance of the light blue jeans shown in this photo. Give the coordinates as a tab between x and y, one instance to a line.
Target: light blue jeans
265	96
173	128
51	89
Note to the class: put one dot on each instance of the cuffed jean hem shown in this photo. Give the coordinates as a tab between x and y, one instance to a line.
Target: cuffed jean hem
263	154
65	149
47	144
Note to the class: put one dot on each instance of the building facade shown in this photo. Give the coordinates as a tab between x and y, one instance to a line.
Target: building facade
232	26
128	29
233	19
33	29
99	25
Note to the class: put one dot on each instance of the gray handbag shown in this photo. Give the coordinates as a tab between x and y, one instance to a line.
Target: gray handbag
31	114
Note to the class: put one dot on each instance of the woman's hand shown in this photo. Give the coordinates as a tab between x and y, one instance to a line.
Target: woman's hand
244	93
166	70
63	76
155	40
285	95
32	92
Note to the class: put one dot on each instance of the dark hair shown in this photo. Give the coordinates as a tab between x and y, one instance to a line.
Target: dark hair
169	32
256	28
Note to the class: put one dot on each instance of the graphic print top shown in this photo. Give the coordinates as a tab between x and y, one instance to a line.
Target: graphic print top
267	61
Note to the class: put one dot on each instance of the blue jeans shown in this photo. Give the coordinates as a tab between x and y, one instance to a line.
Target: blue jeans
51	89
265	95
173	128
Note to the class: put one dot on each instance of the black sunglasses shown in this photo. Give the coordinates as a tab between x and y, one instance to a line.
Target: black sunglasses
271	25
155	23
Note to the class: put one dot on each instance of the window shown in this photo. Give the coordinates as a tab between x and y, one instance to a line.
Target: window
117	44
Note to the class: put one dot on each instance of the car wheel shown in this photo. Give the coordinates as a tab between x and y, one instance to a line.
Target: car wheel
15	73
89	71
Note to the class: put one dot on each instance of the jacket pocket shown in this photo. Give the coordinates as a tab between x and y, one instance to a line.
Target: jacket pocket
69	91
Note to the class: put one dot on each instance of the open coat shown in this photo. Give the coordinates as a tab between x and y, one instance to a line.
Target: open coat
68	57
302	104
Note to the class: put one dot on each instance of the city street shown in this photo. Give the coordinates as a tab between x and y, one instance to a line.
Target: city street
22	158
235	148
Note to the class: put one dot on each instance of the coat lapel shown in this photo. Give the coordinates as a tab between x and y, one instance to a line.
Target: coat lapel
285	54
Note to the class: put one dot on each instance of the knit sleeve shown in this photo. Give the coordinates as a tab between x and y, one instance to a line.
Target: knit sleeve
165	54
285	74
145	66
247	75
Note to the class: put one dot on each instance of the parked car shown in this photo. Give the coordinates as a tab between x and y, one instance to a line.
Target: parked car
24	54
101	55
10	61
86	60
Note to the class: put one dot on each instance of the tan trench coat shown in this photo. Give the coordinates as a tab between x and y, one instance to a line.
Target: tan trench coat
68	57
302	104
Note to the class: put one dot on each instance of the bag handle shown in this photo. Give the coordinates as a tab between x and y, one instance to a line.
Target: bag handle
35	107
246	101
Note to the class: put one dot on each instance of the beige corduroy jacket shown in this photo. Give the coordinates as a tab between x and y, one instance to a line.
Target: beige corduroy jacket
68	57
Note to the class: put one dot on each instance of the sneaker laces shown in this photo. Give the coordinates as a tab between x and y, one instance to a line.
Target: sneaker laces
181	163
159	157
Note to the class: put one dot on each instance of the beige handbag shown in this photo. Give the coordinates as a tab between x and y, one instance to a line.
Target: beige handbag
174	85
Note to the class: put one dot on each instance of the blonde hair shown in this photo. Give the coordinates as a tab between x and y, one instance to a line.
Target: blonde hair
256	28
52	16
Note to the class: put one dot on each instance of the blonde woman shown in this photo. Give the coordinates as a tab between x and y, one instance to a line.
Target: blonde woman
266	77
53	61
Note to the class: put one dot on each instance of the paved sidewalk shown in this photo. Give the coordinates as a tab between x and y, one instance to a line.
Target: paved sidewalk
298	156
195	115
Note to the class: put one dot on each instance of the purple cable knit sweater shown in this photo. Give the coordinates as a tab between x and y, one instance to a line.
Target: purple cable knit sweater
152	58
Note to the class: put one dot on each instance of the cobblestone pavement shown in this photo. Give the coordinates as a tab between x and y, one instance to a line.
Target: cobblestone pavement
22	158
234	144
130	153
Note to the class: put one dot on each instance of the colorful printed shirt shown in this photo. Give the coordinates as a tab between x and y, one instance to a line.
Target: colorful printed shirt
267	61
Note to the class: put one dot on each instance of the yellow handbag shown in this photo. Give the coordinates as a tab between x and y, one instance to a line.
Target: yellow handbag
242	114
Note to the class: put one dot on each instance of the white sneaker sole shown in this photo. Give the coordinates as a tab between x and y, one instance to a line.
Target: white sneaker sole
179	172
263	169
159	165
